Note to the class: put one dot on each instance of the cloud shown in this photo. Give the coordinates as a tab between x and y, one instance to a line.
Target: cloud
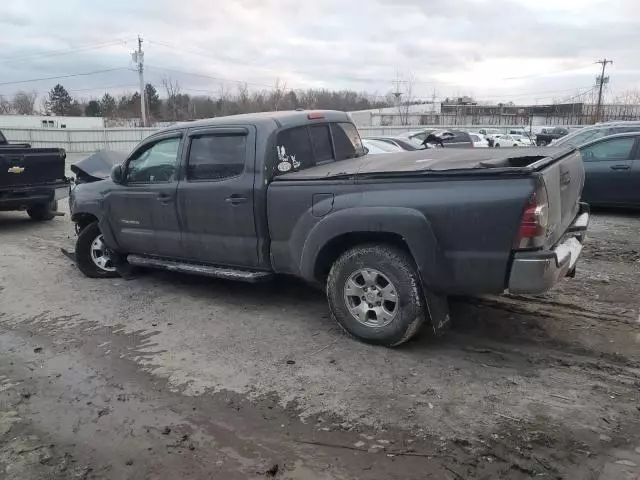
465	47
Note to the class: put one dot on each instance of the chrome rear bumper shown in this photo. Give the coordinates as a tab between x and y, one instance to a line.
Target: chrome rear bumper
538	271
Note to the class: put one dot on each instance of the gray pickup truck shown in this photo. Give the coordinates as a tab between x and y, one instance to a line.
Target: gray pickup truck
389	237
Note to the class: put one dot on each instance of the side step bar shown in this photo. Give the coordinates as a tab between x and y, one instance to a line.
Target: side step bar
199	269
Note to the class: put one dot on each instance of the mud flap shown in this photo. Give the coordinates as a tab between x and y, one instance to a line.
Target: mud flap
68	254
438	307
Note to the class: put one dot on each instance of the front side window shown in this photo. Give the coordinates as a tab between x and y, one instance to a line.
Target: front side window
216	157
154	163
610	150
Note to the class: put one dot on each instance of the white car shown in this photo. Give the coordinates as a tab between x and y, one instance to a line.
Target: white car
478	140
376	147
508	140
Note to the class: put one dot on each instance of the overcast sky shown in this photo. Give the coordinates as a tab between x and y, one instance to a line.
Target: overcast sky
500	50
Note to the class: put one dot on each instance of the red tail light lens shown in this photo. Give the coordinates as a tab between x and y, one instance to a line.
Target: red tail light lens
315	116
534	222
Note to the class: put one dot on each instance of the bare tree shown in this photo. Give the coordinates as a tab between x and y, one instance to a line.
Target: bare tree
23	103
5	106
629	97
278	93
172	87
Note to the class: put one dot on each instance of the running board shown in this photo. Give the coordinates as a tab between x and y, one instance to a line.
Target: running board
199	269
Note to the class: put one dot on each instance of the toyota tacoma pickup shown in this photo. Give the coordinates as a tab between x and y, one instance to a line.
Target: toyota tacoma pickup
389	237
32	179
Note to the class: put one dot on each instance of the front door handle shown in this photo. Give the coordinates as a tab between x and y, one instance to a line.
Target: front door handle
165	198
235	199
619	167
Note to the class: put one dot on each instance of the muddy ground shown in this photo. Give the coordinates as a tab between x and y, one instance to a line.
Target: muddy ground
169	376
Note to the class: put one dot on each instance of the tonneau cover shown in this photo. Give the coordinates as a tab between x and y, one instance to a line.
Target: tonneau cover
441	160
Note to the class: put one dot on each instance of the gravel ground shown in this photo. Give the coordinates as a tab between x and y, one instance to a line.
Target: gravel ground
168	376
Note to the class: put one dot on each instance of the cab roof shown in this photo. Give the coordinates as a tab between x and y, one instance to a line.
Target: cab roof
284	118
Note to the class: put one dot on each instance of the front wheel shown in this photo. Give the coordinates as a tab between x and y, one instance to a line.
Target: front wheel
374	294
497	145
93	257
43	211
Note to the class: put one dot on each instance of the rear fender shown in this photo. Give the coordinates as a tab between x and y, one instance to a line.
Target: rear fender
407	223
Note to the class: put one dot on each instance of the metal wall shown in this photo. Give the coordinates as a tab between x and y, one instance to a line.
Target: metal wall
79	141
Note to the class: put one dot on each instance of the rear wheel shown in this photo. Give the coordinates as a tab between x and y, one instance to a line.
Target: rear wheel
497	145
93	257
374	294
43	211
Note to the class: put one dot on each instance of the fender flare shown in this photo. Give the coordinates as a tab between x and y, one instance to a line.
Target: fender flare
410	224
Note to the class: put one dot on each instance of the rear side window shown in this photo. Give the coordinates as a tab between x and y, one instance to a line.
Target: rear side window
216	157
304	147
294	150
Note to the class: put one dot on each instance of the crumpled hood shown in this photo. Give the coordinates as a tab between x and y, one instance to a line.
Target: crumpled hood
97	166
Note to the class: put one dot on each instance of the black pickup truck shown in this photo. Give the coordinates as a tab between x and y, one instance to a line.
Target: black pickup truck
32	179
388	236
546	136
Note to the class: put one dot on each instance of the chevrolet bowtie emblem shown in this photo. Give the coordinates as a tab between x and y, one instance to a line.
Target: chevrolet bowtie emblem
16	170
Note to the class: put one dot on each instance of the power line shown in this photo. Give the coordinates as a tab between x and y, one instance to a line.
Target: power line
220	79
64	52
64	76
535	75
101	88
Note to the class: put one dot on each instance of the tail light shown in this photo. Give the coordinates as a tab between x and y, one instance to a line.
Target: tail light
534	222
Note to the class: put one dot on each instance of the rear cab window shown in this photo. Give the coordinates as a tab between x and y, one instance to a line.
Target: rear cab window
299	148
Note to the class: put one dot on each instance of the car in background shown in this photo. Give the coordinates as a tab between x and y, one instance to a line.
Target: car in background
418	136
546	136
478	140
612	168
525	140
593	132
507	140
487	132
376	147
403	143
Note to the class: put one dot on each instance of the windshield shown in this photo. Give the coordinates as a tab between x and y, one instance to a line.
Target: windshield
580	137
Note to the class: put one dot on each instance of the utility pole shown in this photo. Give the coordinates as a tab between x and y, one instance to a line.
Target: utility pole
138	57
601	81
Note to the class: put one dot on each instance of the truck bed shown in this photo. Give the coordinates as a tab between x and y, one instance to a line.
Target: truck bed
437	161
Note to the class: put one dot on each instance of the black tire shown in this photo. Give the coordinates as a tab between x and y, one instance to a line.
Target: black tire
43	211
393	263
497	145
83	253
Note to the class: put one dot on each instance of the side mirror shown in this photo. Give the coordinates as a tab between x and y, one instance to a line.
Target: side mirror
117	175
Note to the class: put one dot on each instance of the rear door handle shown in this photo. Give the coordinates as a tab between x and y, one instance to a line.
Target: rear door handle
235	199
165	198
619	167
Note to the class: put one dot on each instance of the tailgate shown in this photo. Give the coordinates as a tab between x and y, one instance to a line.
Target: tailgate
563	180
33	166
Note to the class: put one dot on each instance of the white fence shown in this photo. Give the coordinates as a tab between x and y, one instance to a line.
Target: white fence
80	141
